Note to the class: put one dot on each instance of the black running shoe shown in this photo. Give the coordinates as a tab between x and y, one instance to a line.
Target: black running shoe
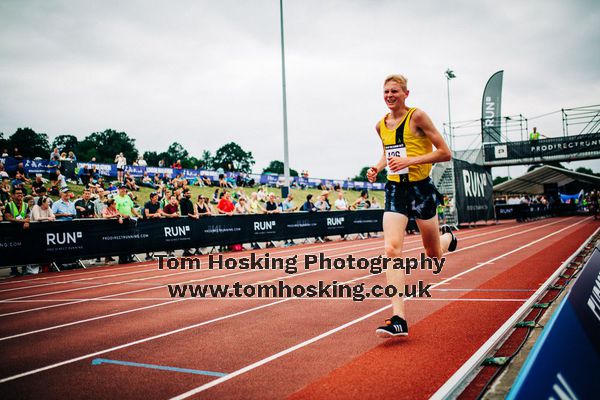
454	241
394	326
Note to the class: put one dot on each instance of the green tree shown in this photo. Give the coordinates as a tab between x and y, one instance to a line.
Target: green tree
276	167
191	163
29	143
499	179
66	143
231	157
151	158
585	170
106	145
176	152
205	161
362	176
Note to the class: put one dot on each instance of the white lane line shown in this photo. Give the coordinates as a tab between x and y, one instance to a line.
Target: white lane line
186	328
154	263
103	269
162	286
172	302
252	366
247	299
333	248
339	328
308	252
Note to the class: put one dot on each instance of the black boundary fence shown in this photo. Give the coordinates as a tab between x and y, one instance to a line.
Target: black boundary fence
67	241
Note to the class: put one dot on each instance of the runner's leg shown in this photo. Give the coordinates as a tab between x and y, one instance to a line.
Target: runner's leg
434	244
394	227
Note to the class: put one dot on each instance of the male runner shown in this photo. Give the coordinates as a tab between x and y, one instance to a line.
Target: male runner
407	135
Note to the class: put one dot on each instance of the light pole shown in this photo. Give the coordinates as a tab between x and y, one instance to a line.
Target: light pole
450	75
286	164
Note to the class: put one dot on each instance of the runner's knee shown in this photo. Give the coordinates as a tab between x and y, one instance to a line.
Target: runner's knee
393	250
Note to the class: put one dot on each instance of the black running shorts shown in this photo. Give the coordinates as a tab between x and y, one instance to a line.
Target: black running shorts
413	199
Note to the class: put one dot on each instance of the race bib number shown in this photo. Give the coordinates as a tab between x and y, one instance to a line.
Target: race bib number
395	150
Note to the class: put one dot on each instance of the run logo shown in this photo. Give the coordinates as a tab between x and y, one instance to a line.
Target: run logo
61	238
475	183
594	299
176	231
335	221
264	226
490	112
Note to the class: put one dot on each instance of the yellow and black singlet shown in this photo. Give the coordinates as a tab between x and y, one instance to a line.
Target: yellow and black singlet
402	142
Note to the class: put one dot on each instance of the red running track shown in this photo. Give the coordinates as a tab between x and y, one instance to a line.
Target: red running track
53	326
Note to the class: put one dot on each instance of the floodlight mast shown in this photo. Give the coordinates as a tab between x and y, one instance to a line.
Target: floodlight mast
286	164
450	75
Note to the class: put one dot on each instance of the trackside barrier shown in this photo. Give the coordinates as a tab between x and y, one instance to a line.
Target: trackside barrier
522	212
565	360
459	380
45	242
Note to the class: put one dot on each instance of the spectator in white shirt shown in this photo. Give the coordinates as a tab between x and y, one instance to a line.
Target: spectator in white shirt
340	203
42	211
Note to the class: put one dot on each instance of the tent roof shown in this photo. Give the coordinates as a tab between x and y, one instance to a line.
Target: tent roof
533	182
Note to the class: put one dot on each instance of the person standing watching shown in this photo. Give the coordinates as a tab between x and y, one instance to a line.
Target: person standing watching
187	209
42	211
64	209
225	205
16	211
84	206
152	210
121	162
124	203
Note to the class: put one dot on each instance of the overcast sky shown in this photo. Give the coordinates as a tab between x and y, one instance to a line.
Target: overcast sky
204	73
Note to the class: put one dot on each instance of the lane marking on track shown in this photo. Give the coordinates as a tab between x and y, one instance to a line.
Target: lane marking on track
172	301
253	298
103	270
339	328
125	345
151	263
162	286
228	316
451	387
99	361
329	246
188	299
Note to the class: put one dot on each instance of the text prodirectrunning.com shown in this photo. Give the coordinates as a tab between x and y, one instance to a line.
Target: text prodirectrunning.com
321	290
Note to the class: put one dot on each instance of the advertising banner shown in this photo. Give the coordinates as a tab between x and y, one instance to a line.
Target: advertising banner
474	192
566	148
80	239
491	110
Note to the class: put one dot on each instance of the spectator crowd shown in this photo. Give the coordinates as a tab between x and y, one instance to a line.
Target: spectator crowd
25	199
